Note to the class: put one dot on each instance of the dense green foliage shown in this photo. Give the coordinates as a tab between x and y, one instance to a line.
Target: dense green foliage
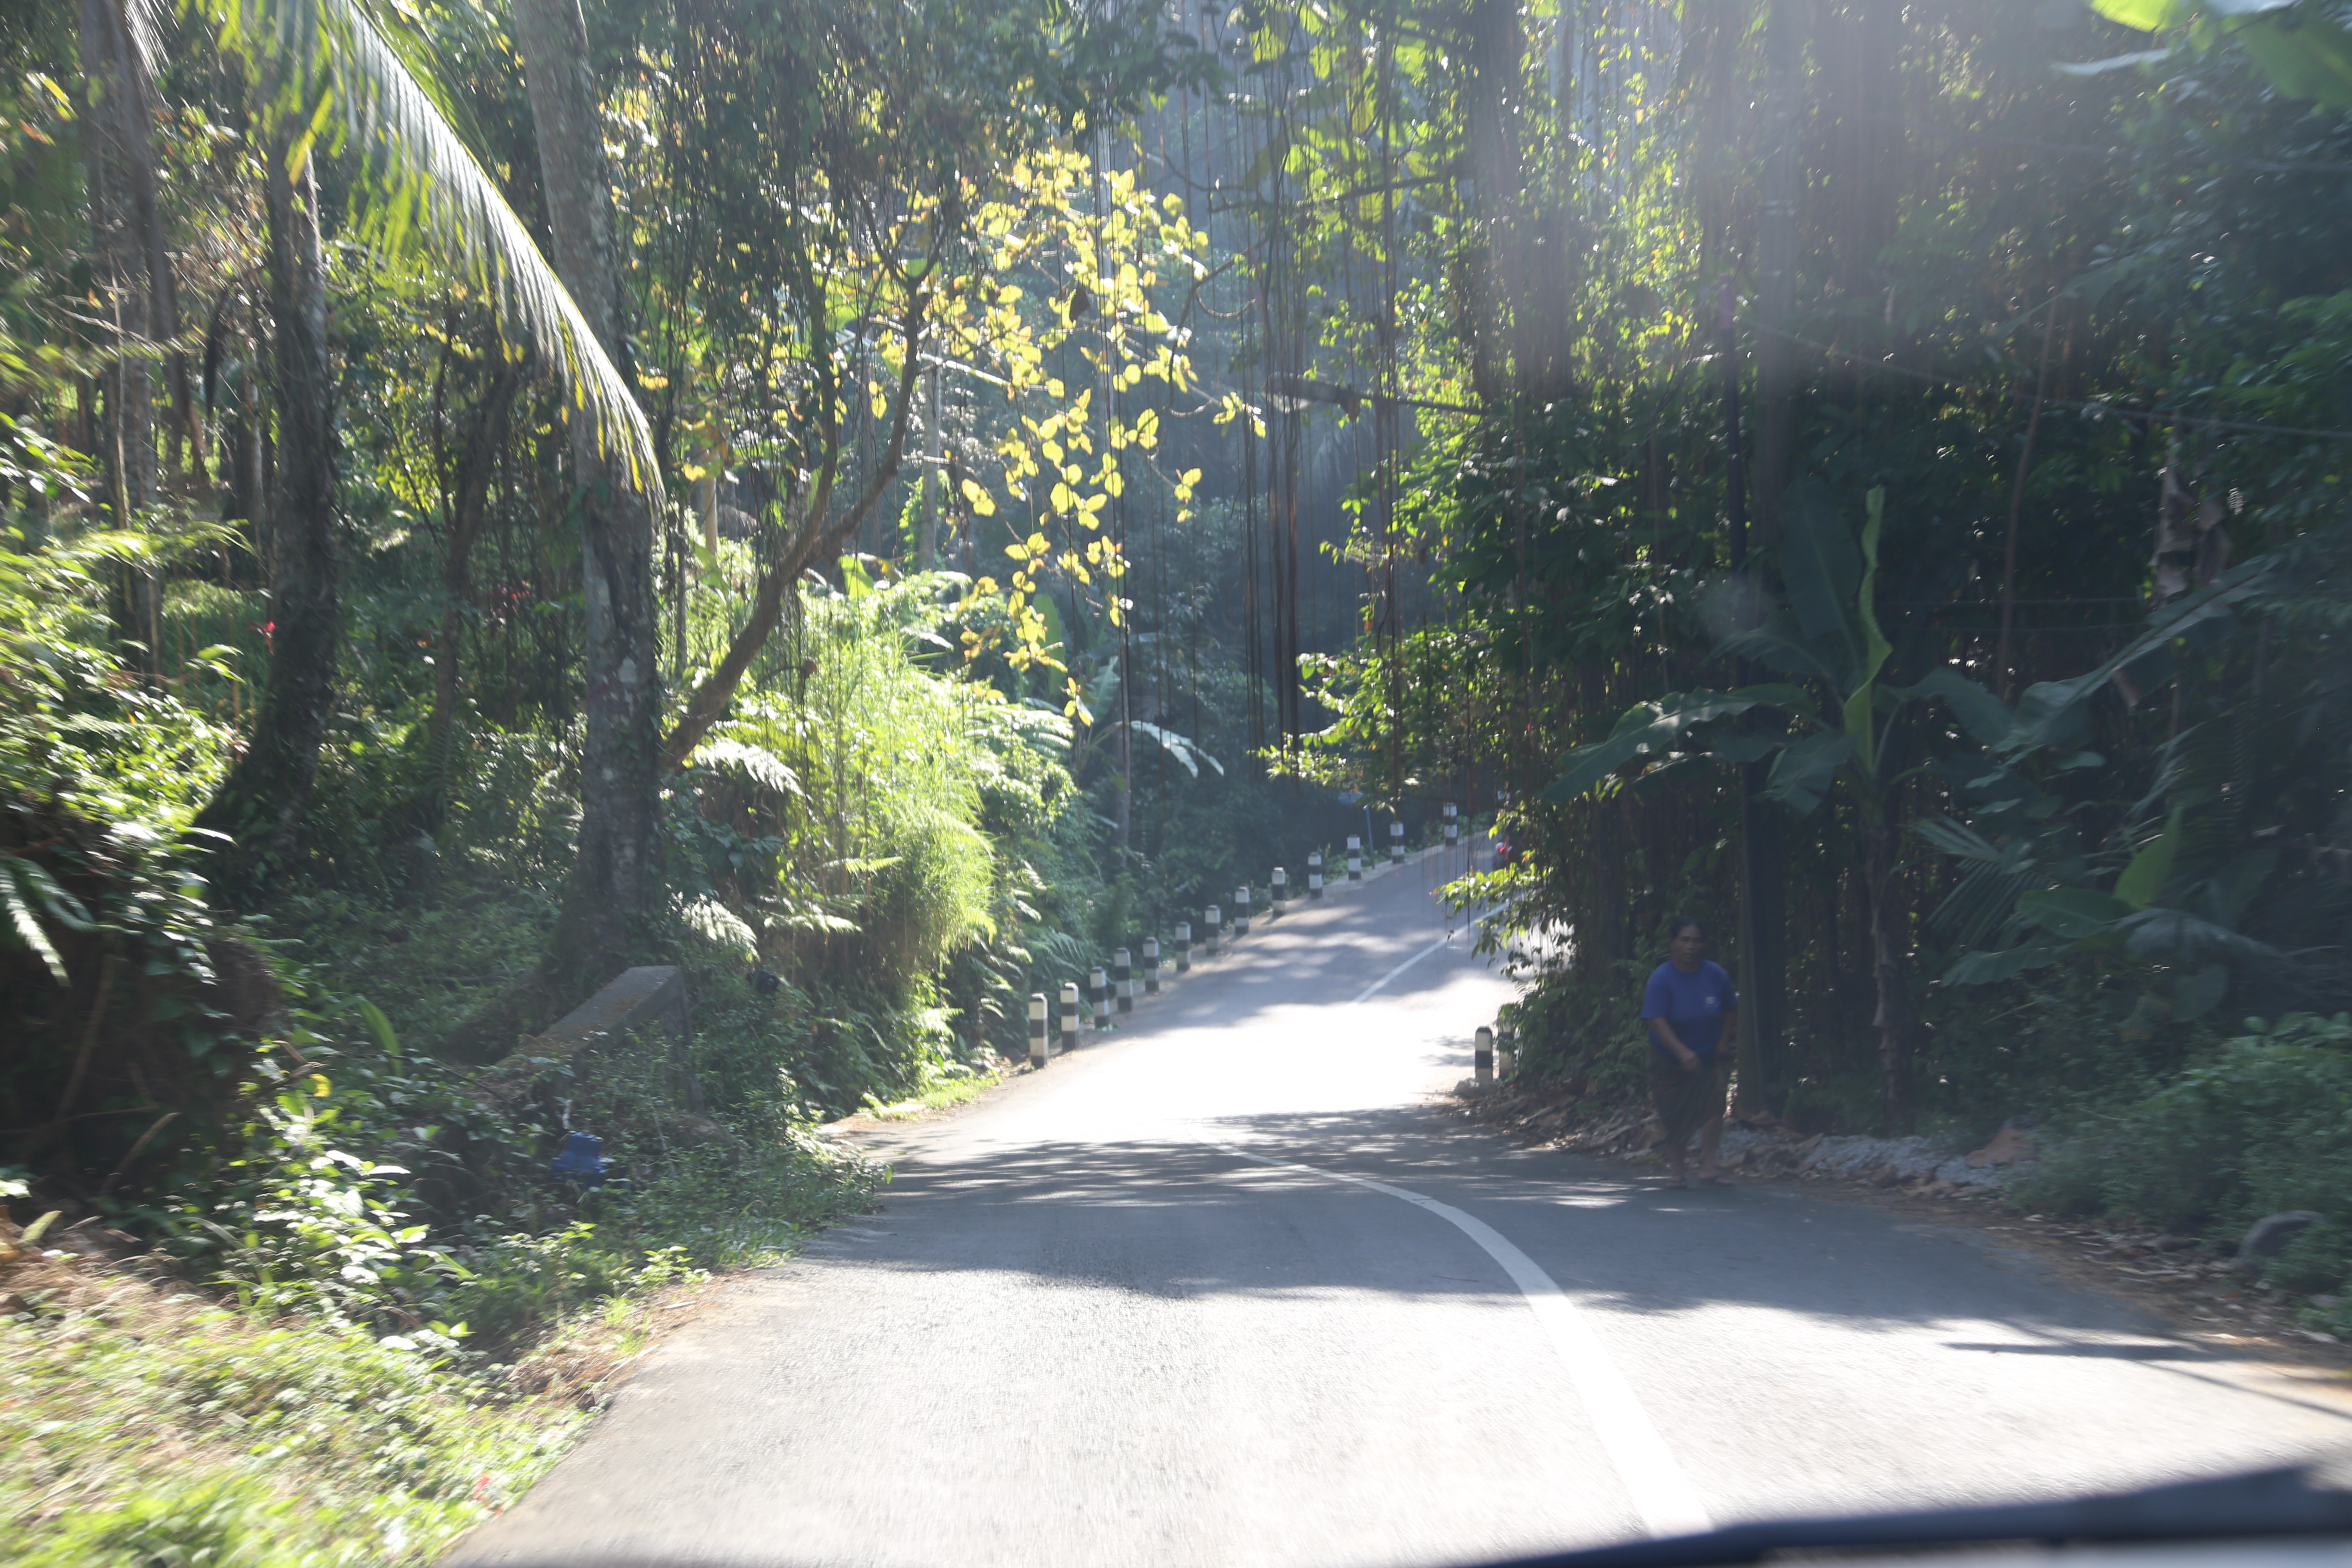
334	568
1868	474
1990	709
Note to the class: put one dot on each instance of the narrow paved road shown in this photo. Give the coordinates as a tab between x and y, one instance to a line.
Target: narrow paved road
1224	1289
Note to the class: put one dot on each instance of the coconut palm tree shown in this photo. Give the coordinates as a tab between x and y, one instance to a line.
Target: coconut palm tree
319	65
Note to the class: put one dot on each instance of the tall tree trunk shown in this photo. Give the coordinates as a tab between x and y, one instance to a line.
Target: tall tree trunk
610	909
1501	178
261	804
1776	267
1764	891
1894	1020
468	497
118	161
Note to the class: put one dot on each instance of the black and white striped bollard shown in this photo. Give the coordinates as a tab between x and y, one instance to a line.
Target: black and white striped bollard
1069	1014
1209	919
1099	988
1481	1054
1314	875
1281	892
1152	966
1037	1028
1183	947
1507	1050
1355	859
1396	843
1451	828
1122	976
1241	912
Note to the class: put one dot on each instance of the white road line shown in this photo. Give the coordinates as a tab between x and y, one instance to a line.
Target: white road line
1366	994
1662	1494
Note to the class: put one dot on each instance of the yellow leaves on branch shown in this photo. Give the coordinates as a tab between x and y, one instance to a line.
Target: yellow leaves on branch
1101	242
1231	408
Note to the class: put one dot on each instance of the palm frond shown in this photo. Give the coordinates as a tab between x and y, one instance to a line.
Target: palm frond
1959	840
62	905
436	179
23	923
1979	902
760	766
466	213
1182	748
142	23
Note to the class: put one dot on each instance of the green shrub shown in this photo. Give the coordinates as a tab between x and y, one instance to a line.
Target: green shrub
2263	1125
142	1433
2066	1041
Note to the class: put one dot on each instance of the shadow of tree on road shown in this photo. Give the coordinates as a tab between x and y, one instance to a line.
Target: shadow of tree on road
1179	1218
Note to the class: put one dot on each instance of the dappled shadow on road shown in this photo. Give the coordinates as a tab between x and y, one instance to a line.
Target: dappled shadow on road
1173	1218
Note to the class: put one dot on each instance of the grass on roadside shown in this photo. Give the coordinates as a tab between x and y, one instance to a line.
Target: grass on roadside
945	1094
145	1423
143	1426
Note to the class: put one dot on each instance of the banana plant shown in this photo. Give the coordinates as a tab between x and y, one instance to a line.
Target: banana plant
2171	890
1840	726
1838	717
2302	46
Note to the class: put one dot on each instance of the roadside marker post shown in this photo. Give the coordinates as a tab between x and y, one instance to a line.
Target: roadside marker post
1152	966
1355	859
1452	828
1183	947
1507	1050
1209	917
1481	1054
1314	875
1241	912
1396	843
1122	976
1069	1014
1281	892
1099	990
1037	1029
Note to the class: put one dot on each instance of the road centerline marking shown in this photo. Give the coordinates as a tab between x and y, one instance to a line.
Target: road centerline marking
1366	994
1662	1494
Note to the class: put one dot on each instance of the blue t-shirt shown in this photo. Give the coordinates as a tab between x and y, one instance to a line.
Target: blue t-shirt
1692	1004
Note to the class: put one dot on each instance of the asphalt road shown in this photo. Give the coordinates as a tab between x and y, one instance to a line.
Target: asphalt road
1222	1288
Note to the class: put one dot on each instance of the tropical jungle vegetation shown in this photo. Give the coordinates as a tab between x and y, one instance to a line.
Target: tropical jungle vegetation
879	506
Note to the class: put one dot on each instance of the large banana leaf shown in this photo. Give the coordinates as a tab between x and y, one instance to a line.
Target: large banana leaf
2050	713
1823	572
1805	768
1656	726
2304	48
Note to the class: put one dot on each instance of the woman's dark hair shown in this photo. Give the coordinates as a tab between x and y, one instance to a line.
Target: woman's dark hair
1681	924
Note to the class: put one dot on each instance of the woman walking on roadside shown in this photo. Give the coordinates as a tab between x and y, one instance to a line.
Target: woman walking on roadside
1692	1010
